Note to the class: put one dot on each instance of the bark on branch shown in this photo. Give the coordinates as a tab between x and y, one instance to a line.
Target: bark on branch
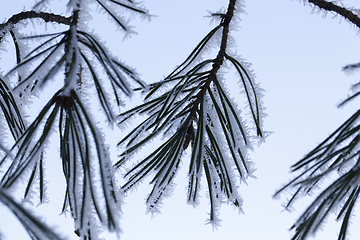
329	6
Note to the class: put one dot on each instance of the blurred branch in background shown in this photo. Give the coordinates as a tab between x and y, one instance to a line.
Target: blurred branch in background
337	153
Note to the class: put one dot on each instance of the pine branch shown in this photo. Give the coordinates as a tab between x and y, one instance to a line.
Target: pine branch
329	6
197	107
91	193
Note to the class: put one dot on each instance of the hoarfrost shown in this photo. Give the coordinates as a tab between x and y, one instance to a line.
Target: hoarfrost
74	5
72	60
40	5
158	194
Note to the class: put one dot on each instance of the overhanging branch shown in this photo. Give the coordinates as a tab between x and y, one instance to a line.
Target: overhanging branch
47	17
329	6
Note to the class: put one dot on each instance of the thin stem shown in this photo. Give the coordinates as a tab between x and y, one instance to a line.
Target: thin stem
47	17
219	58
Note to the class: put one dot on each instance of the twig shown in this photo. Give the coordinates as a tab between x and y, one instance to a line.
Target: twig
47	17
219	58
329	6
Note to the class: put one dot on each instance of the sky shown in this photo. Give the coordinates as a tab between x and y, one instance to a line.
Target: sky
297	57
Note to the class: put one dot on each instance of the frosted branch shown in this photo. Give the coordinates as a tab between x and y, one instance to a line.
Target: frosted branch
329	6
47	17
